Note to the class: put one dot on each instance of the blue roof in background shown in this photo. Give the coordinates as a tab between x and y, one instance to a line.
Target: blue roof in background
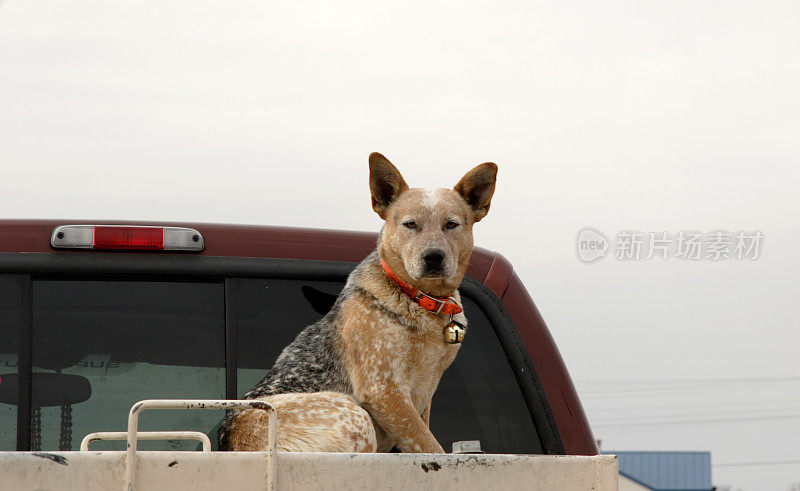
667	471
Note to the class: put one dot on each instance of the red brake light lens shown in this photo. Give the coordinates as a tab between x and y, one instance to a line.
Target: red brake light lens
150	238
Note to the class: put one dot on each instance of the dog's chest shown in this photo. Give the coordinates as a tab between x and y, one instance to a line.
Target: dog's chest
382	350
427	358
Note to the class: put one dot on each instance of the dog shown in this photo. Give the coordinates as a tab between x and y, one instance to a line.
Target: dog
361	379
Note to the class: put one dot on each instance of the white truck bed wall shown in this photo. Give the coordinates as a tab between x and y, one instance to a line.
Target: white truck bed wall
247	470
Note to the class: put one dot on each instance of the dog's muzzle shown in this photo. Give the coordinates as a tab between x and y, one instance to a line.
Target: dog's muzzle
433	261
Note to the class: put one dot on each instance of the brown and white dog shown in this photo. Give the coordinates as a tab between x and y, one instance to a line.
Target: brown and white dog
361	379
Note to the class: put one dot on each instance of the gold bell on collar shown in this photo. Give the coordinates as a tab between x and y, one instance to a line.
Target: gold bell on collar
454	332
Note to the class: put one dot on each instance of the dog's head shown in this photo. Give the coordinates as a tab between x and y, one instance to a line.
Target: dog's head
427	239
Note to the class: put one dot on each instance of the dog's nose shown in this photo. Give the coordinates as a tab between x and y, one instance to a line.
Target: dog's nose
433	258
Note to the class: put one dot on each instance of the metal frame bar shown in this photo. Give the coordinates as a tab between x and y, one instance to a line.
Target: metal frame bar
231	350
25	364
170	264
133	425
147	435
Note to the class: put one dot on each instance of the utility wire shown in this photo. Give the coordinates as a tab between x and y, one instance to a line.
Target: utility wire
657	389
695	421
754	463
655	412
690	380
610	414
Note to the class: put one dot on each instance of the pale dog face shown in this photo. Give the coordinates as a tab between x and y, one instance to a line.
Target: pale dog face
427	238
431	231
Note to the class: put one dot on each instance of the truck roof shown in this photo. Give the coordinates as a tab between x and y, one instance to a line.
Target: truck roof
256	241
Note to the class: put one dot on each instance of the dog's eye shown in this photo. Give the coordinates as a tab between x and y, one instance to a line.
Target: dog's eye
411	224
450	225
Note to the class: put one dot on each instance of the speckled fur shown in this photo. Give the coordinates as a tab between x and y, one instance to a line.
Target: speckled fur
361	379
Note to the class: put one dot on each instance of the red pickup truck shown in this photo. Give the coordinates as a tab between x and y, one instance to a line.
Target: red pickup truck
94	318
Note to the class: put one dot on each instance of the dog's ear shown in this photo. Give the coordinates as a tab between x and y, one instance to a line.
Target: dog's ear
320	301
385	183
477	188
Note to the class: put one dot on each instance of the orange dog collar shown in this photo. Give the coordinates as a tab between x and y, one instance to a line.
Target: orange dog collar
435	305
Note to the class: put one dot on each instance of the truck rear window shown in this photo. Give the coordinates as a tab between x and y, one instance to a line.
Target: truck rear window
478	397
100	345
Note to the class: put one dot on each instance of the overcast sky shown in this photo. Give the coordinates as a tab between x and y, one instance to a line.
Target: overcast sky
650	116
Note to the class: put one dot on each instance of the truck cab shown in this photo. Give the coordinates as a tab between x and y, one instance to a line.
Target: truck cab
96	316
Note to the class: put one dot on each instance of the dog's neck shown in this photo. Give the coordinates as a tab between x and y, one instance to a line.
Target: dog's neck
371	277
437	287
436	305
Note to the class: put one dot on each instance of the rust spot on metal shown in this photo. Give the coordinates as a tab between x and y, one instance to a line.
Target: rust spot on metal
259	405
58	459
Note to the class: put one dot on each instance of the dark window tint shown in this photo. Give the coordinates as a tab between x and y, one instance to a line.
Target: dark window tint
269	314
9	344
478	397
101	346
